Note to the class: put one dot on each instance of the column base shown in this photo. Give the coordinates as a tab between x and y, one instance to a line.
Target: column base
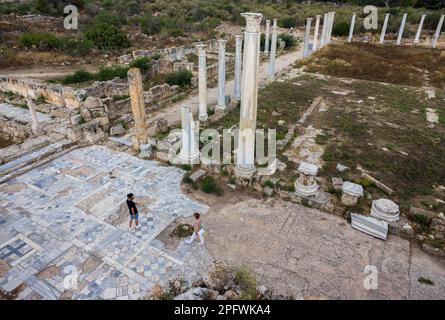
203	118
245	171
220	109
304	190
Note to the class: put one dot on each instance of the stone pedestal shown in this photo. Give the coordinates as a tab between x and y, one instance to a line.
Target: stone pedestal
306	38
137	107
351	29
351	193
385	25
202	83
267	39
273	51
305	185
401	29
245	167
221	103
419	29
317	27
437	33
385	209
189	153
238	63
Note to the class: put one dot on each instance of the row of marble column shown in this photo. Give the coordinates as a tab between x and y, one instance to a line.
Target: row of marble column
326	33
245	90
202	76
402	29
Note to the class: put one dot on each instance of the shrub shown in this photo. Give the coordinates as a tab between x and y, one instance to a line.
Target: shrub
181	78
288	22
108	73
41	40
209	185
106	36
290	40
142	63
247	282
77	48
341	29
78	77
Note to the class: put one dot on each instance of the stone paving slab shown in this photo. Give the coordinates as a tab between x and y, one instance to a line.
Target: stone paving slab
60	218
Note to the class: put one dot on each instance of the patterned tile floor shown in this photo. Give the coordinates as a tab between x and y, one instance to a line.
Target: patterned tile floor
64	228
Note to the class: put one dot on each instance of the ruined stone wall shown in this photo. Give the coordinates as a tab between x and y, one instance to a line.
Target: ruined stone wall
53	93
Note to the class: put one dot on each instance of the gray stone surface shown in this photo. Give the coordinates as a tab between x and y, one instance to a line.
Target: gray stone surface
295	250
195	176
71	213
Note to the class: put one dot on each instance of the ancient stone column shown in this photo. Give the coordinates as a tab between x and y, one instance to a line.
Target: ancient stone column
317	27
238	63
189	153
351	29
323	30
266	43
331	26
32	110
202	112
419	29
245	160
437	33
385	25
221	104
137	107
402	27
273	50
306	37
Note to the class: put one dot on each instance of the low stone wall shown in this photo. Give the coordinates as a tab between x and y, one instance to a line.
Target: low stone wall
53	93
14	130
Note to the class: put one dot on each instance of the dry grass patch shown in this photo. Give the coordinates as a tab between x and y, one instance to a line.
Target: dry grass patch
413	66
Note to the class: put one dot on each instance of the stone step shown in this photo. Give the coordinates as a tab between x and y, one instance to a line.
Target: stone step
33	159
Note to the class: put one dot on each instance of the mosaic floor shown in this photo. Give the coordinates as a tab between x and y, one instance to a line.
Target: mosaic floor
64	228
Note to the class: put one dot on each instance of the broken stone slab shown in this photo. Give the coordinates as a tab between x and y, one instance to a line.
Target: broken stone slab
162	155
370	225
341	168
268	191
385	209
351	193
198	175
145	151
117	130
308	168
76	119
337	183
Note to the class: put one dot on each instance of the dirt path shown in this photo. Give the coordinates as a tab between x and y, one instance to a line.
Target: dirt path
46	72
306	253
172	114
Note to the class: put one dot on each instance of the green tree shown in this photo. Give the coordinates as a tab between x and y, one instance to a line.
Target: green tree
106	36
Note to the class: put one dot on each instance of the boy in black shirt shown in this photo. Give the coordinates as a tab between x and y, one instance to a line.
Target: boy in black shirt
134	215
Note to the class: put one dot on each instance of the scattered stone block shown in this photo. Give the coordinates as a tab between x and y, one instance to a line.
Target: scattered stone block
162	155
370	225
268	191
351	193
117	130
145	151
337	183
341	168
385	209
76	119
198	175
281	122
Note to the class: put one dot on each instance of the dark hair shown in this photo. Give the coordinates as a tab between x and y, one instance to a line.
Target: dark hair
130	195
196	214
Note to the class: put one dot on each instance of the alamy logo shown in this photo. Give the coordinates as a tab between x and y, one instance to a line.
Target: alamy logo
71	20
71	280
371	20
371	280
